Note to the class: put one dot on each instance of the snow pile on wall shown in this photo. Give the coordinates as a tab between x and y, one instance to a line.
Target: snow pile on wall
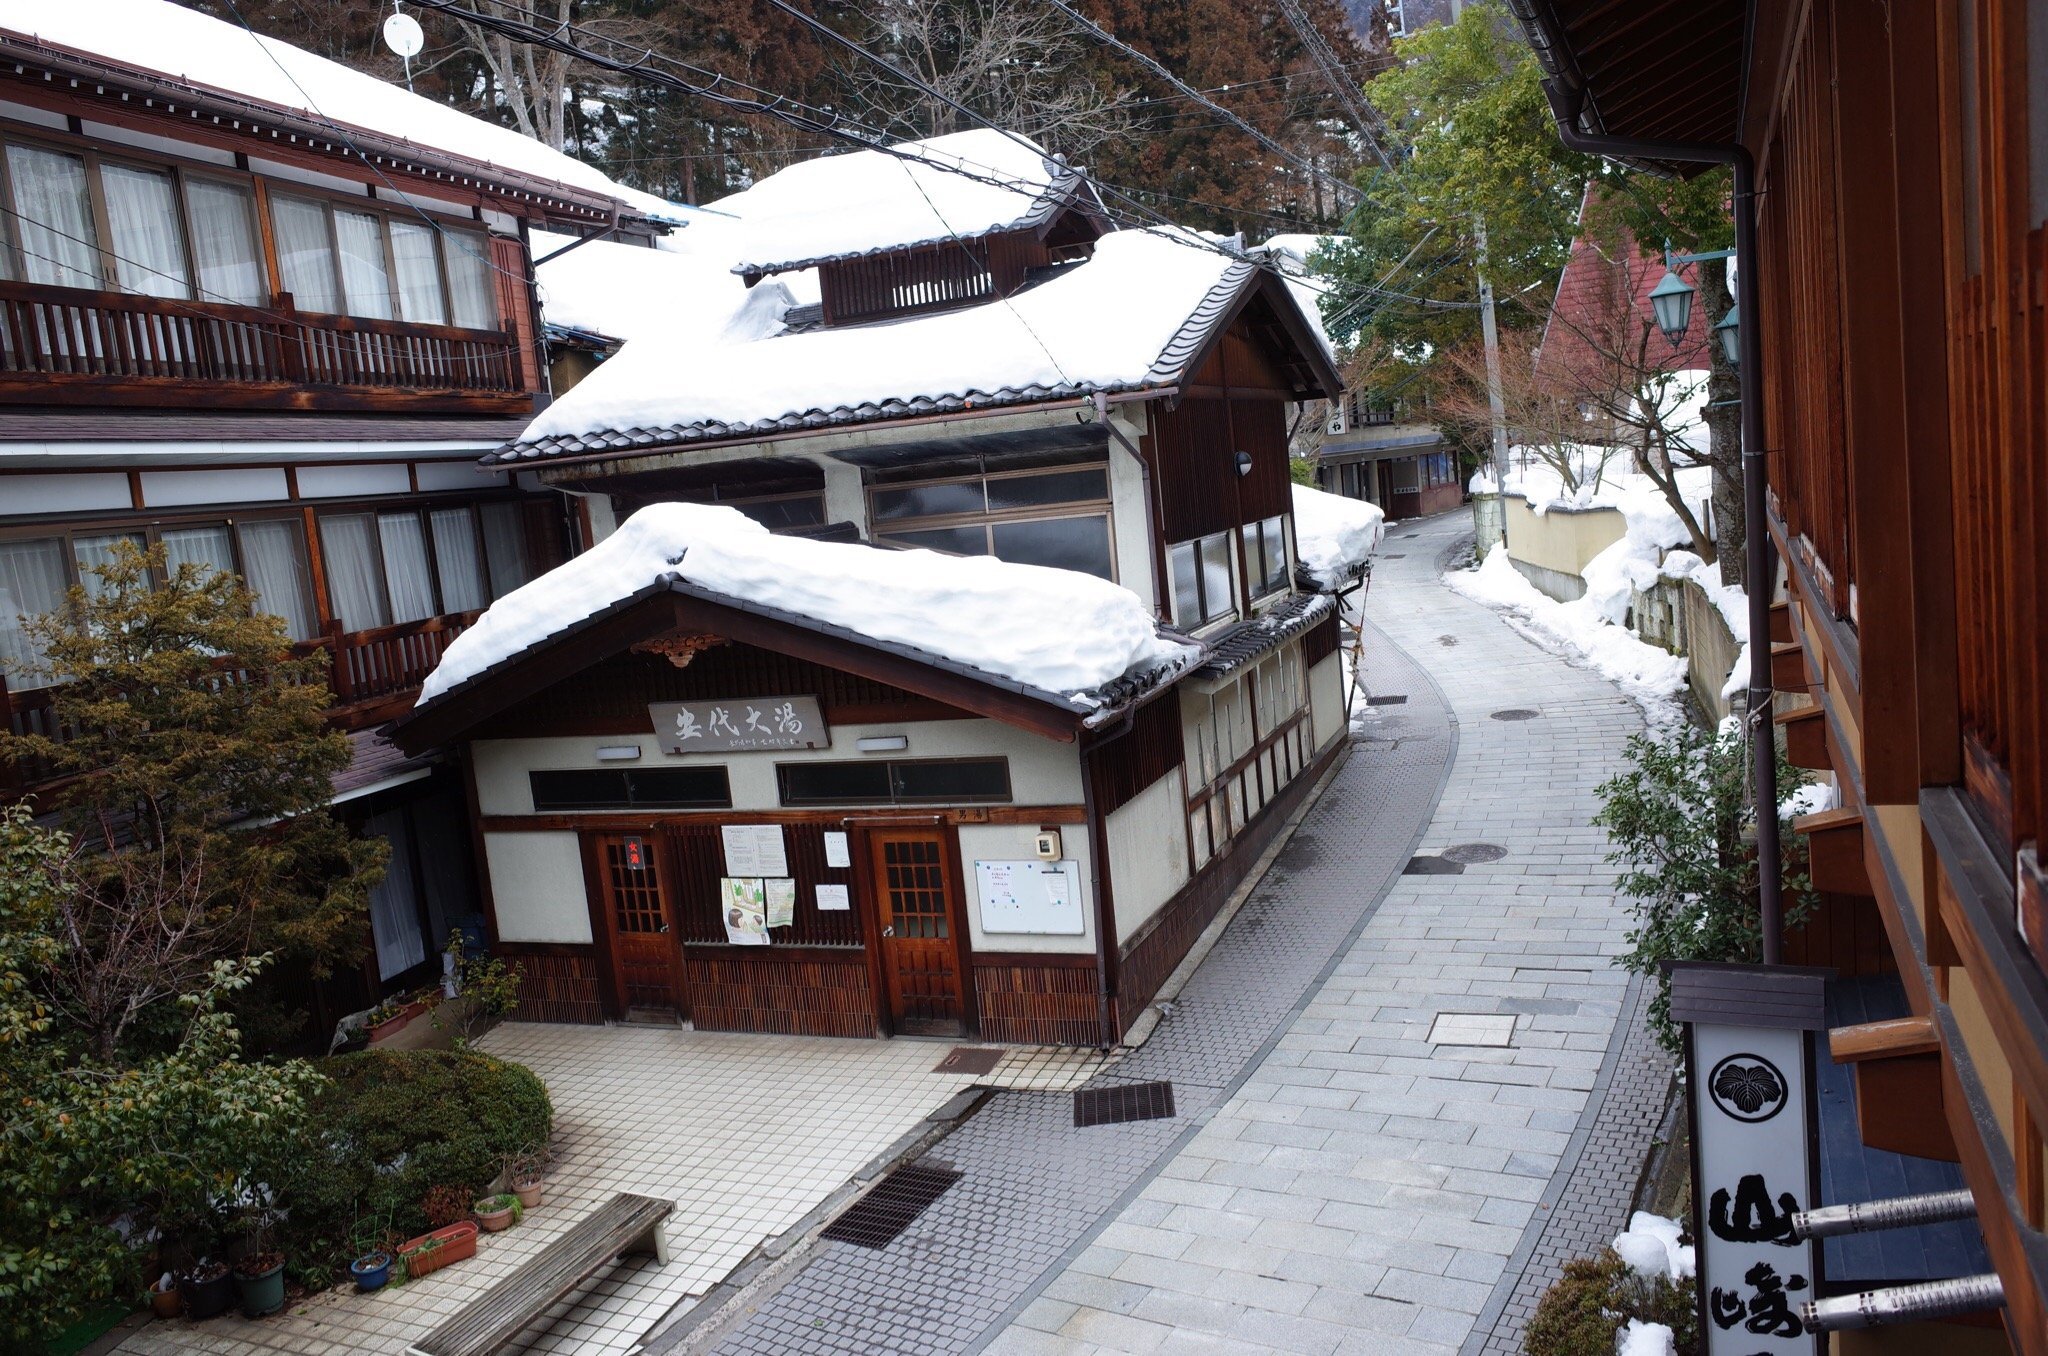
1334	536
1650	1245
1057	630
1638	1338
154	35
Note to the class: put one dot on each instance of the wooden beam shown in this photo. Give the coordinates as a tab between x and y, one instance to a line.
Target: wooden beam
1781	623
1891	1039
1834	847
1788	668
1806	737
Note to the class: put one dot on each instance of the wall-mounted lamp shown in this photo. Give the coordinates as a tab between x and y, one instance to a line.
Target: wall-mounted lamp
618	753
1244	463
882	743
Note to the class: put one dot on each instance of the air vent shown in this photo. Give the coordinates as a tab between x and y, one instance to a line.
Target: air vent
1123	1102
876	1219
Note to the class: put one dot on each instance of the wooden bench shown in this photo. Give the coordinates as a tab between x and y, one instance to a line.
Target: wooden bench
626	1223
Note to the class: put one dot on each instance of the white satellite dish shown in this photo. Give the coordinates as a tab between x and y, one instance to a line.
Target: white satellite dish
402	35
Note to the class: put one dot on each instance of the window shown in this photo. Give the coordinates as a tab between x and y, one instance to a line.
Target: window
224	242
505	550
335	258
365	273
53	218
458	561
397	566
418	272
936	780
1057	516
704	787
146	230
1265	555
32	583
305	253
1201	571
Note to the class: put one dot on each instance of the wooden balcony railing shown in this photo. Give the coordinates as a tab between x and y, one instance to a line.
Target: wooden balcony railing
54	337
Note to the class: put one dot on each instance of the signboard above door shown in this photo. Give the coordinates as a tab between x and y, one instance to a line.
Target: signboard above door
740	725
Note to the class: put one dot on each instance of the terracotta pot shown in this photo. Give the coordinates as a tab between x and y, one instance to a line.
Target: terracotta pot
528	1193
386	1029
492	1221
457	1241
166	1303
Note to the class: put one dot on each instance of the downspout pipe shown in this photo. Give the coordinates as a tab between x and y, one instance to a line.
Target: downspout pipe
1760	558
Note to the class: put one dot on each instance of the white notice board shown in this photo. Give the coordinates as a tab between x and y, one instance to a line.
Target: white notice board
1042	898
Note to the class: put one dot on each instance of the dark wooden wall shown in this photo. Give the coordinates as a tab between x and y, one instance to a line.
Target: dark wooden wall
1122	767
811	992
1033	999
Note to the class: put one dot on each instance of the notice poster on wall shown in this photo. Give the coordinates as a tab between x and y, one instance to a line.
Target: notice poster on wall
754	850
833	899
836	855
743	903
1030	897
781	897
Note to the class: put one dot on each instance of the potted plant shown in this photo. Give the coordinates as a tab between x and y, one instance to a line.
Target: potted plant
207	1289
164	1299
431	1252
259	1277
392	1015
497	1212
371	1270
525	1173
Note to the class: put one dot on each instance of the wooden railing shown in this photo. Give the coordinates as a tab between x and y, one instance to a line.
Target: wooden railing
66	334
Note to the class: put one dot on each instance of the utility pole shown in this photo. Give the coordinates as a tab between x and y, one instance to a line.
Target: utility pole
1494	400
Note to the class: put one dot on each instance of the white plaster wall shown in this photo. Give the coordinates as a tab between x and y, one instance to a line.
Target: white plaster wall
1014	843
1148	852
1326	698
1127	508
537	887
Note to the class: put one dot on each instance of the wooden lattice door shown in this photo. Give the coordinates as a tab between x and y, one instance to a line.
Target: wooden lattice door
646	955
920	951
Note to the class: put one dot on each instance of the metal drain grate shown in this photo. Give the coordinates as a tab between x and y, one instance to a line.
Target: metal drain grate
875	1220
1471	854
1516	713
1396	699
970	1059
1393	555
1123	1102
1433	866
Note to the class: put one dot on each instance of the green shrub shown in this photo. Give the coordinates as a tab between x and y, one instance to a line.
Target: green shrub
1581	1313
394	1124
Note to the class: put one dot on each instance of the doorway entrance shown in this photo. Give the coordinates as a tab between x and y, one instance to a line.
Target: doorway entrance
633	898
915	911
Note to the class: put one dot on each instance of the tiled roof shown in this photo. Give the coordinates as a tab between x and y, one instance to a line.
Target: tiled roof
1250	641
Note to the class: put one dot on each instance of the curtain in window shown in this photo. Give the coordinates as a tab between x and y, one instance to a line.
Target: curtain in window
348	551
32	583
406	577
419	273
206	547
274	566
148	234
457	561
394	908
224	242
1217	594
505	547
54	224
96	551
364	277
472	290
305	253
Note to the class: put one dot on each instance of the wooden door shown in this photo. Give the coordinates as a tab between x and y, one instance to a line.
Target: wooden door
633	902
916	913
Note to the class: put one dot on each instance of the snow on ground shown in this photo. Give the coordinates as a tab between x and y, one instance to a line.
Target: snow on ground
1650	1245
1334	535
155	35
1057	630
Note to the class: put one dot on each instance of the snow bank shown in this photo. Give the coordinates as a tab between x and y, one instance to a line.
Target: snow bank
1809	799
1057	630
1638	1338
155	35
1651	1247
1334	536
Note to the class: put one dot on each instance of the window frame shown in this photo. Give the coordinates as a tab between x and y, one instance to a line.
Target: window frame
1231	540
627	802
1262	584
881	530
783	769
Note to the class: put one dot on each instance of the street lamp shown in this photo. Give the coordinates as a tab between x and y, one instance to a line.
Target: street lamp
1730	331
1671	300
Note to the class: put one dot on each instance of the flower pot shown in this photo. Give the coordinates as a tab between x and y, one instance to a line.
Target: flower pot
451	1244
371	1270
260	1279
384	1030
166	1303
491	1216
207	1292
528	1193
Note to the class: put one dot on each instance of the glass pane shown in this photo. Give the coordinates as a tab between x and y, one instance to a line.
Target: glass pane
598	788
773	514
1058	487
406	578
1187	598
207	548
470	279
32	583
364	278
305	254
419	273
96	552
505	547
274	568
1216	584
1254	558
954	541
828	783
348	551
970	779
456	561
679	786
929	501
224	242
1063	543
59	245
1274	534
394	908
149	236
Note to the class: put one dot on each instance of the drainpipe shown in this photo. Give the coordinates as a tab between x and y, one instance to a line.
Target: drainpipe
1144	479
1565	106
1098	847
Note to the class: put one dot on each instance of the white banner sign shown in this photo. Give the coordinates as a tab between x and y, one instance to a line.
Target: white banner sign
740	725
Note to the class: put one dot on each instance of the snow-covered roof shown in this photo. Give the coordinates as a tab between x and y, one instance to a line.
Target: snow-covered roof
1134	316
1292	250
211	54
1060	635
1334	536
960	186
633	292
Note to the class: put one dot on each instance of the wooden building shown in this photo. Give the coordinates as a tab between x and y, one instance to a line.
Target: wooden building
1901	171
1388	453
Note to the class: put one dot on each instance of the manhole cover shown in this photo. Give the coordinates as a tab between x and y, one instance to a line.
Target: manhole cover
1473	853
1448	641
1395	699
1433	866
973	1059
877	1218
1123	1102
1516	713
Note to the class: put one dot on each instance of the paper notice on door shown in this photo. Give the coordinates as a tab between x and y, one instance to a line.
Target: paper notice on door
836	854
754	850
781	897
833	899
743	902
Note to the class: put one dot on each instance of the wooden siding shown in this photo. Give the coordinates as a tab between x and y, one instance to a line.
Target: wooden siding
1319	642
932	278
698	853
1197	480
1027	1000
558	985
1151	748
755	989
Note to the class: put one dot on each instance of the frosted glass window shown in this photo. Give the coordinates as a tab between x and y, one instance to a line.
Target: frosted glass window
148	231
457	561
54	226
419	273
407	579
364	276
274	567
32	584
472	283
394	907
305	253
224	242
348	551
